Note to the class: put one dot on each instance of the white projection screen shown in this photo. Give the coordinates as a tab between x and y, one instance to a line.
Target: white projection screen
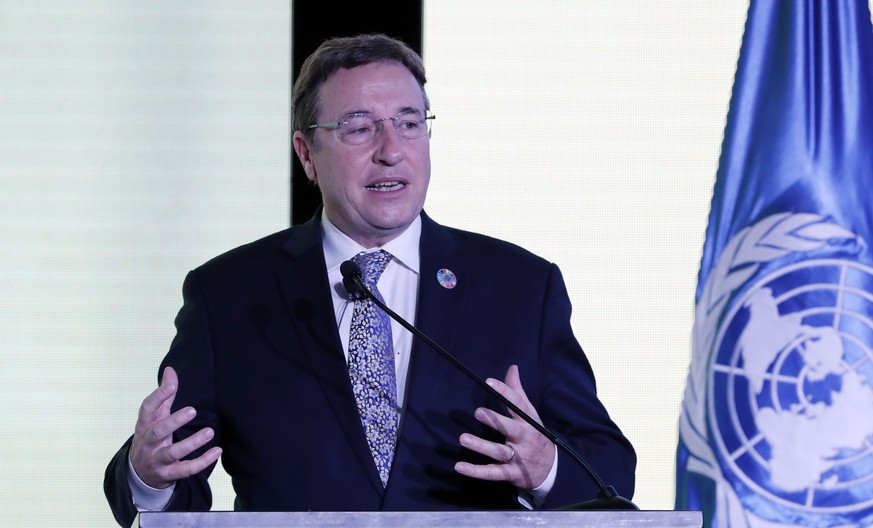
589	132
139	139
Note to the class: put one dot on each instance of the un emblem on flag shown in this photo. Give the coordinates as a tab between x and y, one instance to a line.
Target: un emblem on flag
791	394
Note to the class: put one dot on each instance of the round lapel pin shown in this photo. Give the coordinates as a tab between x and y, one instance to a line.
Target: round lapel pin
447	278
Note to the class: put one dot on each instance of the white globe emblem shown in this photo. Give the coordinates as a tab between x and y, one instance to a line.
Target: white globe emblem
791	391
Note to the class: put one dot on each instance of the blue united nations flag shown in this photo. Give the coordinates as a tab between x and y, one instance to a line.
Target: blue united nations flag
777	420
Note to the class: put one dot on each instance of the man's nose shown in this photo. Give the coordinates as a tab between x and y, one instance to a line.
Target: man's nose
390	145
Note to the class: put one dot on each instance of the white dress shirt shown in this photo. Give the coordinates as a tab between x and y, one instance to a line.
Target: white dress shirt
398	285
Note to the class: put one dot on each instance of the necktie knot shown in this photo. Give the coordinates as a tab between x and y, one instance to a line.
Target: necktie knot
372	264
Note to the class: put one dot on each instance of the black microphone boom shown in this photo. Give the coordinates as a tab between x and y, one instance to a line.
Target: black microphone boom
607	497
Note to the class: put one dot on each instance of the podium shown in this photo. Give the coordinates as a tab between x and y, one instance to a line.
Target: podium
454	519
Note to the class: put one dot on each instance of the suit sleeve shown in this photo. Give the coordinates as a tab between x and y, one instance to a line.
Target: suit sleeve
570	406
116	489
191	355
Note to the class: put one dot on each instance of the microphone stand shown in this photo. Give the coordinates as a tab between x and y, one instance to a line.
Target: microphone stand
607	497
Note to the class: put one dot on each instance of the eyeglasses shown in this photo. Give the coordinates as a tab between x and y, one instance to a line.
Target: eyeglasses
357	129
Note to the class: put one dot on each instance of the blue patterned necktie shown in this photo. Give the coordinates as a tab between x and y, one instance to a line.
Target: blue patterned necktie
371	365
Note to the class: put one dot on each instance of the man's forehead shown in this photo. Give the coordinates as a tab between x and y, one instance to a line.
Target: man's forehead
373	87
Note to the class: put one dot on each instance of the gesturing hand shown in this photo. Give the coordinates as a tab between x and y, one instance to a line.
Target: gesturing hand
526	457
154	456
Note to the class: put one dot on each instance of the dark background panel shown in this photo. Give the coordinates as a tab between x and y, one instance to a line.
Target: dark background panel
311	23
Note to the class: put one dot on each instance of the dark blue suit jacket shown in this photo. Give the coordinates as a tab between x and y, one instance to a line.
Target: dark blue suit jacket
258	355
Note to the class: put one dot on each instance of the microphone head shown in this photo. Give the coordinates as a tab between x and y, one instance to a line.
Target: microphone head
350	272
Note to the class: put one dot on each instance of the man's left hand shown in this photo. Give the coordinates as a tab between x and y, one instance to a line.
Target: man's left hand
526	457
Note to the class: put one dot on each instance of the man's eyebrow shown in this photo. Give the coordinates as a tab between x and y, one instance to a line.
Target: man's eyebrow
355	113
406	110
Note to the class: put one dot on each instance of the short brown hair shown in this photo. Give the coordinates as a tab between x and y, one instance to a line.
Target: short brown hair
347	52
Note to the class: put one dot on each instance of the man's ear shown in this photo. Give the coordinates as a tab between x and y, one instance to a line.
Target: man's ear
304	154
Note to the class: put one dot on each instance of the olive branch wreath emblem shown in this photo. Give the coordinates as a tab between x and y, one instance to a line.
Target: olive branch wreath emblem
771	238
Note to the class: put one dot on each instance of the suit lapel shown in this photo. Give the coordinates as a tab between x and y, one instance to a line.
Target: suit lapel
420	461
440	309
306	292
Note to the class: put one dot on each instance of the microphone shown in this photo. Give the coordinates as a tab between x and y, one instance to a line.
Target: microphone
607	497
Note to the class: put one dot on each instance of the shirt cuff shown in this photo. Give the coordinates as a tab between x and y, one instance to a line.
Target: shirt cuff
145	497
532	499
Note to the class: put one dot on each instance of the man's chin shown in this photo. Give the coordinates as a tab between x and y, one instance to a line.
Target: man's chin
394	220
392	227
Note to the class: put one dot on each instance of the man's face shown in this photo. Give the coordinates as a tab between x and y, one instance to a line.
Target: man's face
371	192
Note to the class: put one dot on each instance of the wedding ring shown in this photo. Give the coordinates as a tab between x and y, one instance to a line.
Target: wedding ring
511	456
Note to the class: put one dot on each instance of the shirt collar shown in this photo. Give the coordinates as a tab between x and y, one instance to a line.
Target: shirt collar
339	248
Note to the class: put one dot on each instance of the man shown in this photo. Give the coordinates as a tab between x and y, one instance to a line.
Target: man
266	367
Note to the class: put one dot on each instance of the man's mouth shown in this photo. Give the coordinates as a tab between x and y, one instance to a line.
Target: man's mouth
386	186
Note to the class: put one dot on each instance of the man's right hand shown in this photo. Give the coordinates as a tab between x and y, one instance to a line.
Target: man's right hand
154	456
